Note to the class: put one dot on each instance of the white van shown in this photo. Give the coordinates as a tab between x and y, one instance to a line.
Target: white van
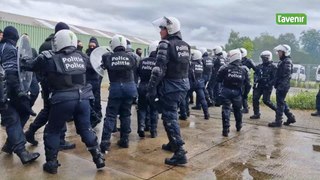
299	72
318	74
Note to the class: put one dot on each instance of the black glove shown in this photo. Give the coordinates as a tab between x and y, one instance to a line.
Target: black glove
151	95
23	103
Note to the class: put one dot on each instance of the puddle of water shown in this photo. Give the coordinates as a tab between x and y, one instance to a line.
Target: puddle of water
192	124
237	170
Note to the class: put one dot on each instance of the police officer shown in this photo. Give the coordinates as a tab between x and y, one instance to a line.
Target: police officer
214	86
14	111
43	115
207	71
170	77
70	96
122	91
246	89
197	81
232	77
282	85
264	77
317	113
144	72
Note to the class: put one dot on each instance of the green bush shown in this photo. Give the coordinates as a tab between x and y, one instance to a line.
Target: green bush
306	84
303	101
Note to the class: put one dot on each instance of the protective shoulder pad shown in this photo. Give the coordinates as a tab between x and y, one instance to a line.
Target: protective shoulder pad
245	68
163	44
48	54
107	54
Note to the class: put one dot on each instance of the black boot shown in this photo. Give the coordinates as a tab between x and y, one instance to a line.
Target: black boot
275	124
154	134
225	132
255	116
97	157
123	142
183	118
30	137
291	119
317	113
27	157
7	148
105	146
168	147
178	158
206	116
51	166
65	145
245	110
141	134
238	127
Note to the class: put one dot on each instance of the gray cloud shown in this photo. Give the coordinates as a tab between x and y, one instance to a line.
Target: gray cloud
204	23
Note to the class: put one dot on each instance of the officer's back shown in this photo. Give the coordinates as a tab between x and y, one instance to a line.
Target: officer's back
145	67
120	66
176	77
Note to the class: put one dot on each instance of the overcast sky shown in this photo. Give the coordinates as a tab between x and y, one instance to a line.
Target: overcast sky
204	23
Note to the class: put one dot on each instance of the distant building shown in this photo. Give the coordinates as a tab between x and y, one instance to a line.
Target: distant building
40	29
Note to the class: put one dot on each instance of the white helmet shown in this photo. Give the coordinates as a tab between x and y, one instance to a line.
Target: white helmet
234	55
153	46
217	50
195	54
285	48
202	50
244	52
224	54
172	24
118	40
64	38
266	54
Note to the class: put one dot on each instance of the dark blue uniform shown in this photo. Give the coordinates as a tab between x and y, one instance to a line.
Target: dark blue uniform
264	77
282	85
145	108
247	87
207	62
69	96
232	77
214	87
17	110
197	84
42	117
122	91
318	102
170	77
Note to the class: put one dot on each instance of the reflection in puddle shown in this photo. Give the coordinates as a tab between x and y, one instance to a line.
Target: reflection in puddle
192	124
237	170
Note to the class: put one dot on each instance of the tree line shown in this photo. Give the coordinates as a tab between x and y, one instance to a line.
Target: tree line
304	50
